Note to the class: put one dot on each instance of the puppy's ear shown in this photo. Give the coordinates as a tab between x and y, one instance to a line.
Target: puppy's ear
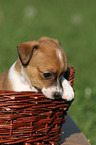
26	50
67	73
48	38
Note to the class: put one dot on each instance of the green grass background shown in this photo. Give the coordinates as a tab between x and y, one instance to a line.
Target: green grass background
73	23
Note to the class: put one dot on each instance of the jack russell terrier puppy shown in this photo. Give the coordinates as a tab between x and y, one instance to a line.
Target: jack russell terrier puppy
40	67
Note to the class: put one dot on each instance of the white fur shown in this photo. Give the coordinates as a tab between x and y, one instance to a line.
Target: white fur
49	92
20	82
59	55
66	91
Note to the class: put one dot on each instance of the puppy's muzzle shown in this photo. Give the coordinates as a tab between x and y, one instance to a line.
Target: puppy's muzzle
57	96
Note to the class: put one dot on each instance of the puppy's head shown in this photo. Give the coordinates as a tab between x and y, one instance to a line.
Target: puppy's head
44	62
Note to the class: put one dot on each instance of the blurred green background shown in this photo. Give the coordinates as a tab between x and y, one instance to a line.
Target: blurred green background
73	23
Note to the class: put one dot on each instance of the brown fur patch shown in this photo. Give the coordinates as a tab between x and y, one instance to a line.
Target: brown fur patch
45	60
4	82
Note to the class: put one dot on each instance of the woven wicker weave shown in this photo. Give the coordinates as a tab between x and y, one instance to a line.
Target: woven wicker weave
30	118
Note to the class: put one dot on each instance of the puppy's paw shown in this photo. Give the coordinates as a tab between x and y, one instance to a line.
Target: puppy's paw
68	93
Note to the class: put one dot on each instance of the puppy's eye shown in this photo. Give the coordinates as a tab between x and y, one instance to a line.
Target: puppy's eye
47	75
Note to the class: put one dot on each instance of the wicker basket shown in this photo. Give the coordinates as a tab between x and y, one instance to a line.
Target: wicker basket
30	118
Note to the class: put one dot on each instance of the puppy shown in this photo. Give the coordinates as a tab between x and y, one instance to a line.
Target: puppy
40	67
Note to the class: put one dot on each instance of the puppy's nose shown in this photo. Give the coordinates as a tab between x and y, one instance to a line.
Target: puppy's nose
57	96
